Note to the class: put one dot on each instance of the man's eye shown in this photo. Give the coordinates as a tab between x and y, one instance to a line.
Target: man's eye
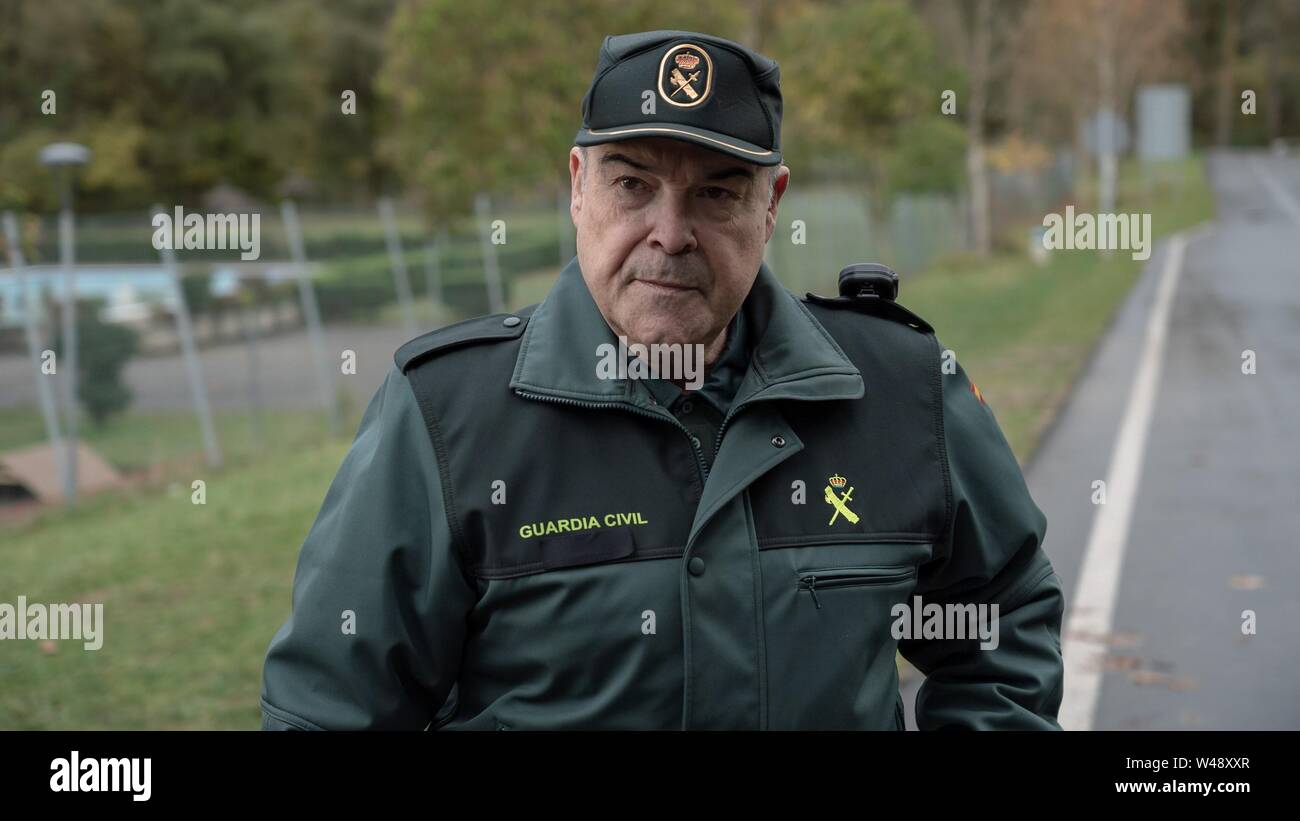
716	192
630	183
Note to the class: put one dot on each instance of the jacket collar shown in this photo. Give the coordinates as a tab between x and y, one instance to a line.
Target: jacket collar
792	357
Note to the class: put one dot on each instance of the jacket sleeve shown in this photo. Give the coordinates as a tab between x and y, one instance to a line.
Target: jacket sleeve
991	555
379	597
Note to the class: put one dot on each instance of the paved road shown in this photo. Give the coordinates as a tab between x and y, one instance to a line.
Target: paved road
1202	464
1211	484
286	378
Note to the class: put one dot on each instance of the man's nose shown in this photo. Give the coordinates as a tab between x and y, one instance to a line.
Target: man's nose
672	230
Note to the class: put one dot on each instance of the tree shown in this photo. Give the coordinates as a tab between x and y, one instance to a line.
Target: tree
981	36
103	349
1081	56
853	74
487	96
177	96
978	57
1225	98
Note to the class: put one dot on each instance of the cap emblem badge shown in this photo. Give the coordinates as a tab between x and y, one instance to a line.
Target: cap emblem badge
685	75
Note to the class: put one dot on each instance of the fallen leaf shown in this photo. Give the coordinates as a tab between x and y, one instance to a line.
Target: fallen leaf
1118	663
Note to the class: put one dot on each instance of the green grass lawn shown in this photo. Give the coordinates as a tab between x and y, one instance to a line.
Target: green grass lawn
192	594
139	440
1023	332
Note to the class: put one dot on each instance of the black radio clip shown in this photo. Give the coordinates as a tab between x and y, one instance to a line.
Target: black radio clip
869	280
872	287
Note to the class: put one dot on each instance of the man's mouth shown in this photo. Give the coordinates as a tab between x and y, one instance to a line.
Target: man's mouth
667	287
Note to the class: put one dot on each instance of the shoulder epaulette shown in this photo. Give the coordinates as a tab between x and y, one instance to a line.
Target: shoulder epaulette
871	288
490	328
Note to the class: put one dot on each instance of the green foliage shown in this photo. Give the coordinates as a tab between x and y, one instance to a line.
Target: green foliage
103	349
176	96
929	157
197	291
453	98
852	73
500	112
489	99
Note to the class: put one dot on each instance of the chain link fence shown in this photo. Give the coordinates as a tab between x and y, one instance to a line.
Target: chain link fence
377	278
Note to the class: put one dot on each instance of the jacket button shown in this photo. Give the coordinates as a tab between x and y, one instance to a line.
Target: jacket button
778	441
511	321
696	566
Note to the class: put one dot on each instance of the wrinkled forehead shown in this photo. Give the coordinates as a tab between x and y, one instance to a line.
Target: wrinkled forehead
669	158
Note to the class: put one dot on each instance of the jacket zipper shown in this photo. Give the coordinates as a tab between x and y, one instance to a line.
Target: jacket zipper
624	406
815	580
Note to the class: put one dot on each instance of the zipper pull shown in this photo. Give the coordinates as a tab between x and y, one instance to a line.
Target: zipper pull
811	583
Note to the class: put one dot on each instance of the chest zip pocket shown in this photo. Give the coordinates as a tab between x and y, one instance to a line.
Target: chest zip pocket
837	577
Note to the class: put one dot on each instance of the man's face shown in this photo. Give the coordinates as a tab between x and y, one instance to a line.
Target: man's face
670	235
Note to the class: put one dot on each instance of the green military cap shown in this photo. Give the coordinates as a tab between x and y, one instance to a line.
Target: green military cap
706	90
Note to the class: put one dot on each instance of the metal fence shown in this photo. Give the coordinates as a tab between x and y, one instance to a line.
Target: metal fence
262	346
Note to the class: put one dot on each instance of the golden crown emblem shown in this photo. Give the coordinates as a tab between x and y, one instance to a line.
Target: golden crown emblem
838	482
686	61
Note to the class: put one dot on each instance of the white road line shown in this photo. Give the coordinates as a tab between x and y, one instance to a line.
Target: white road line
1093	605
1283	197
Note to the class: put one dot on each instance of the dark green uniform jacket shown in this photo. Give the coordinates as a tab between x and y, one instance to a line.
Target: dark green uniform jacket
515	543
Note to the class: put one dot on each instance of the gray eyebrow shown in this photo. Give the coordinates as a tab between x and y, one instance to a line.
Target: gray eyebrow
733	171
721	174
623	158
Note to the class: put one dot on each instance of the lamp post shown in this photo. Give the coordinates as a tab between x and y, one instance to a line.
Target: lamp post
65	158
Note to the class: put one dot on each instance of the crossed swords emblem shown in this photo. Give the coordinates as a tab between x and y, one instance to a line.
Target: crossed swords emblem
684	83
838	502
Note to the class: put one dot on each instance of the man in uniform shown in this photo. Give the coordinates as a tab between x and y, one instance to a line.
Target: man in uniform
516	540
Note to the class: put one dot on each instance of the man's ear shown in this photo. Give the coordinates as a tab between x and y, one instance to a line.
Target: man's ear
782	180
576	170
